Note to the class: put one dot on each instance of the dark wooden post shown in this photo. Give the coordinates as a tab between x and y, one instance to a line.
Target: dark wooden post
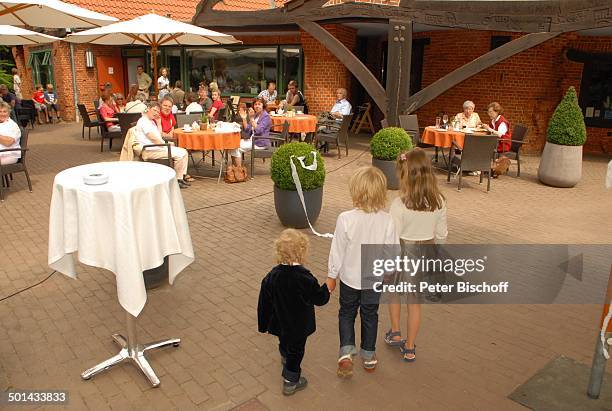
399	54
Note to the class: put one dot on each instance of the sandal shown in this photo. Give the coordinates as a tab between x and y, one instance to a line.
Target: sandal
370	364
407	351
345	366
389	338
188	178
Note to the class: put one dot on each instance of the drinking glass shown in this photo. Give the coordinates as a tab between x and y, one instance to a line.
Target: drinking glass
445	120
438	119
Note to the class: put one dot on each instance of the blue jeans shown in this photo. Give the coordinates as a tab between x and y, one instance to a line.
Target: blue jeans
366	301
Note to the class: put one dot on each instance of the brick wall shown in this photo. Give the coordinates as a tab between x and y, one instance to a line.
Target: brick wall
528	85
323	72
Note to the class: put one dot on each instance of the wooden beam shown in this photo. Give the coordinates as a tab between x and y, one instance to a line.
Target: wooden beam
352	63
475	66
399	50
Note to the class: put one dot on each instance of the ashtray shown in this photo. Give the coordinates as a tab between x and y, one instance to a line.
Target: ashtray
95	179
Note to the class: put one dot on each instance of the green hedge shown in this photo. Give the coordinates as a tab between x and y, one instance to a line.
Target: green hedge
566	126
389	142
281	169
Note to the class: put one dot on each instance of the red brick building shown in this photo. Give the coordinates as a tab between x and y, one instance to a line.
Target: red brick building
528	84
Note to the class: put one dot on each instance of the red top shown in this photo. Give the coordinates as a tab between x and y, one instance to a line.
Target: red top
505	144
39	97
167	122
218	104
107	112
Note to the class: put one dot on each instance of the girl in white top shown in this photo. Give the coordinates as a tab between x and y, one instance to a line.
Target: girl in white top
10	134
17	83
419	214
367	223
163	84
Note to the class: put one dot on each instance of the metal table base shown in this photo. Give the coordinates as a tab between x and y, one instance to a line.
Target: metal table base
131	350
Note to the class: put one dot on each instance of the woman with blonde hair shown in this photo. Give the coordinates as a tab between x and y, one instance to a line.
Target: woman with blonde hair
163	84
419	214
366	223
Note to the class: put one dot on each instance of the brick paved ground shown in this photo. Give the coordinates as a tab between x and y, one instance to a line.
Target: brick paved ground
470	357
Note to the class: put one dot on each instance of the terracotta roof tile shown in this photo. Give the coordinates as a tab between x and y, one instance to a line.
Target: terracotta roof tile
182	10
240	5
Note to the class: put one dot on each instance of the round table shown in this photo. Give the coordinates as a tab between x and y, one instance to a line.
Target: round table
205	140
300	123
127	225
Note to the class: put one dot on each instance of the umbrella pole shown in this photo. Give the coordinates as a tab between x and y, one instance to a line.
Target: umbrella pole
154	52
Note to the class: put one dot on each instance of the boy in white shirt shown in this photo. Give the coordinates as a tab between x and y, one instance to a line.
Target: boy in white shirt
367	223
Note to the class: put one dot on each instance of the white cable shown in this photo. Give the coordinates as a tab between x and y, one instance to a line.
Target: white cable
298	186
604	327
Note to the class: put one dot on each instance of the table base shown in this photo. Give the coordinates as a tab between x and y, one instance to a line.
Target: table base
131	350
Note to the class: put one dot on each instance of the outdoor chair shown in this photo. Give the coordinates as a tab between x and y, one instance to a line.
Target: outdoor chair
88	121
105	134
130	143
96	104
26	113
7	170
410	123
518	139
182	118
477	154
339	131
276	140
127	121
363	119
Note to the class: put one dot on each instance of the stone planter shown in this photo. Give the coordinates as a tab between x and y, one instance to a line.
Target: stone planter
157	276
560	166
289	208
388	169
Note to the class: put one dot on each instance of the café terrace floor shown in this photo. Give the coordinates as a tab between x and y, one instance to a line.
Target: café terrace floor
469	357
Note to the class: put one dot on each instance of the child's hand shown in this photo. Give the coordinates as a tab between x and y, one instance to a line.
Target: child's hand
331	284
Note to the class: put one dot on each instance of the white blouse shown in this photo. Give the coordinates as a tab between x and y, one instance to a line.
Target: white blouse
415	225
354	228
10	129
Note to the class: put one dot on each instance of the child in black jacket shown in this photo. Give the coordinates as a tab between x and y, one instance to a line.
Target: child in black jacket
287	298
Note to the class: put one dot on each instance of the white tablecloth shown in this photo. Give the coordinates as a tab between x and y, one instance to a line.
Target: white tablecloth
126	226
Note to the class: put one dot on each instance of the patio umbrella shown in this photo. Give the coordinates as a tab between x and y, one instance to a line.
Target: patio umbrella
16	36
153	31
50	14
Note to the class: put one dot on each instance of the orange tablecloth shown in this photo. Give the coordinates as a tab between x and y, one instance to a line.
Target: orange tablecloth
302	123
207	140
443	139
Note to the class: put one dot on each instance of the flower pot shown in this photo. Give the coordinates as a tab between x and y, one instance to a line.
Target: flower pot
157	276
289	208
388	169
560	166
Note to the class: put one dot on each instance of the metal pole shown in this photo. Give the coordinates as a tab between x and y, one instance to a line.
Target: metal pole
132	342
598	369
75	94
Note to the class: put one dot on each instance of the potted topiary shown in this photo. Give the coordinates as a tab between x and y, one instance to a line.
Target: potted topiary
286	200
561	162
385	146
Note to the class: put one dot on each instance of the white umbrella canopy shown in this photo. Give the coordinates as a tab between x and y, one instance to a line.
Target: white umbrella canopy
154	31
50	14
16	36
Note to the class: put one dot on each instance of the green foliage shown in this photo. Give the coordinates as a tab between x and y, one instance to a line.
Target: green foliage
566	126
6	77
281	169
389	142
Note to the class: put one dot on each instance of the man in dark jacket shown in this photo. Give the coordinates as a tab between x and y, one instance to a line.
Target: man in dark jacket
287	298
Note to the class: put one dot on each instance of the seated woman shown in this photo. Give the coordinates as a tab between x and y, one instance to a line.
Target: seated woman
499	126
138	105
203	98
10	134
468	117
149	131
192	104
217	105
120	103
258	126
107	111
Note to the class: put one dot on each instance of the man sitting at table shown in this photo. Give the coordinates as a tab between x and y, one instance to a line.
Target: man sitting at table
255	123
107	112
468	118
269	95
149	131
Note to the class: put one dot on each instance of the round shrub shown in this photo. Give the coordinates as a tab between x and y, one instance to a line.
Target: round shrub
389	142
280	168
566	126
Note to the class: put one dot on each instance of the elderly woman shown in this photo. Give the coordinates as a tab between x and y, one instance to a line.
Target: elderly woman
138	105
468	117
10	134
499	126
120	102
192	104
258	126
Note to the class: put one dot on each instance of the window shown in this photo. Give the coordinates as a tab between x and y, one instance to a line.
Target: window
596	87
243	70
42	67
497	41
